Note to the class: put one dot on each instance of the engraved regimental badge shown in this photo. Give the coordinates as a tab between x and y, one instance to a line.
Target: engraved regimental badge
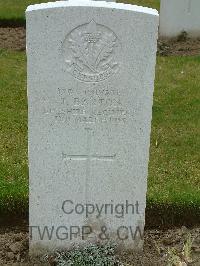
91	52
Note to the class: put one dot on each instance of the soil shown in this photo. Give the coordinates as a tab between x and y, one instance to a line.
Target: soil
15	39
181	47
14	248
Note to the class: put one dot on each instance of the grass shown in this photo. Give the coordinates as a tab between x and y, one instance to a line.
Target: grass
149	3
13	131
15	9
174	176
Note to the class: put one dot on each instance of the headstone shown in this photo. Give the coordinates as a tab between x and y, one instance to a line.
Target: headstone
177	16
90	89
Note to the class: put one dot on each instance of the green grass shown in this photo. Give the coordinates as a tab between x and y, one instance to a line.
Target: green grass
149	3
174	176
15	9
174	169
13	131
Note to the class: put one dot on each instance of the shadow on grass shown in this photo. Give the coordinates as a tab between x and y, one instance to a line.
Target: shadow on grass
14	23
165	216
162	216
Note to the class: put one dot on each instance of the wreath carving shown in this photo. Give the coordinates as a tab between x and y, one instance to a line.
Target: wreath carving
90	51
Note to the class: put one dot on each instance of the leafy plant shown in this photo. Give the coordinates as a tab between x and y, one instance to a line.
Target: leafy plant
90	255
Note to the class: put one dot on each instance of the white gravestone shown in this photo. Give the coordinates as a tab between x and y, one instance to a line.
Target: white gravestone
177	16
90	90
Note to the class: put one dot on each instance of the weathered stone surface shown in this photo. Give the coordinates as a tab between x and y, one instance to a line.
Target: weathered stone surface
90	89
177	16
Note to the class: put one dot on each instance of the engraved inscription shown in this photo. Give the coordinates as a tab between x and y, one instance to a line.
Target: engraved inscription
90	52
94	105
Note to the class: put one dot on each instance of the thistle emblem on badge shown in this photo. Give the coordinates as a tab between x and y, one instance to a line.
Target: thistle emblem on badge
91	52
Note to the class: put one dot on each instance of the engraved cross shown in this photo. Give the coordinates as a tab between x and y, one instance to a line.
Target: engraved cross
88	157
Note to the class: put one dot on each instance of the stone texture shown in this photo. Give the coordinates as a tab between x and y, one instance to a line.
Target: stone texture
177	16
90	89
